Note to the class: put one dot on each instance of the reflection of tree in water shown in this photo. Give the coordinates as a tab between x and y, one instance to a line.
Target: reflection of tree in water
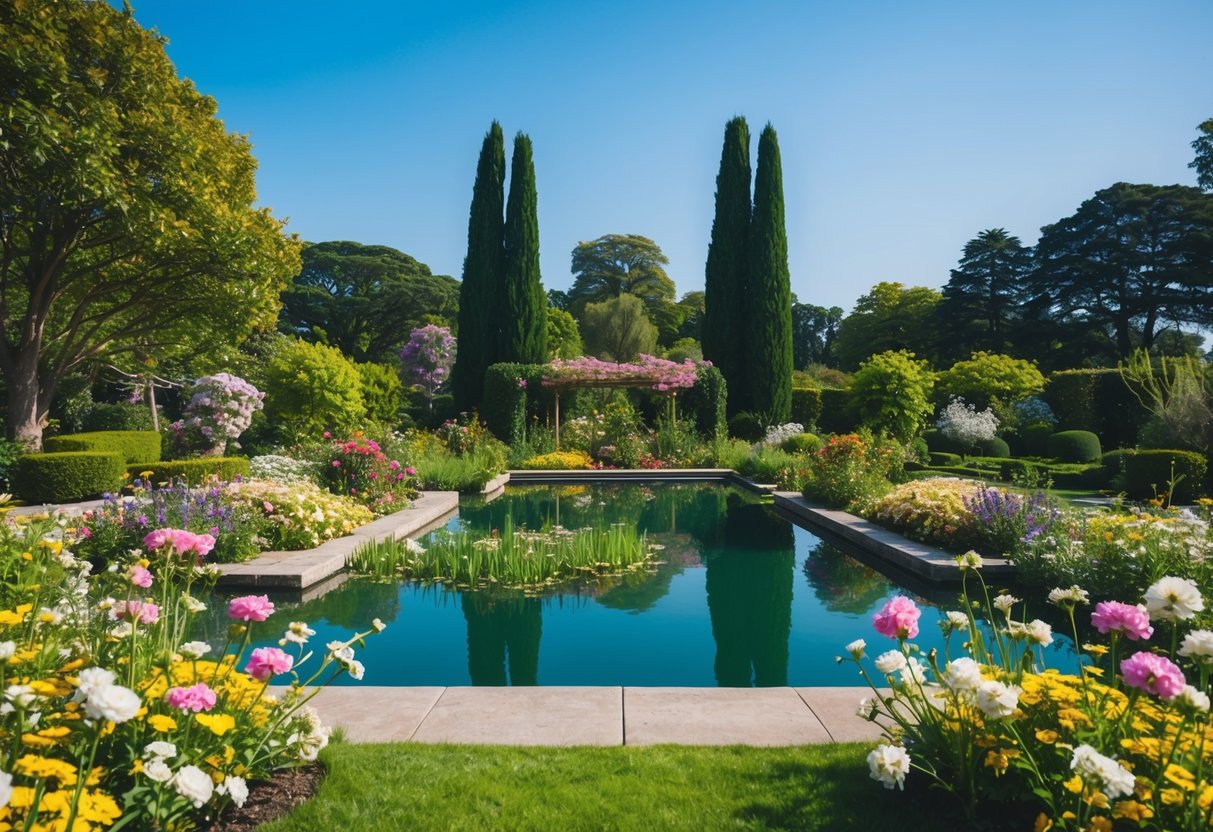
503	629
842	583
749	585
636	592
352	606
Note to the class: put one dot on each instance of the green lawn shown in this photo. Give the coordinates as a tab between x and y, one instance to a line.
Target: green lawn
445	787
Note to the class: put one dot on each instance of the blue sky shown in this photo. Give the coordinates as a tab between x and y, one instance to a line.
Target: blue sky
905	128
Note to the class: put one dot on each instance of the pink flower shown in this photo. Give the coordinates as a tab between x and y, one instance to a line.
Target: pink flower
1118	617
336	463
250	608
1153	674
140	576
156	539
898	618
181	541
410	470
143	612
328	435
196	698
265	662
393	465
85	532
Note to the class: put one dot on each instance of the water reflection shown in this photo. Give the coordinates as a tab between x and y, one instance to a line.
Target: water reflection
840	582
503	632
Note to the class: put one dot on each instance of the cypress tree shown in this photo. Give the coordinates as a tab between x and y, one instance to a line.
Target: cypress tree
523	303
768	367
478	317
724	318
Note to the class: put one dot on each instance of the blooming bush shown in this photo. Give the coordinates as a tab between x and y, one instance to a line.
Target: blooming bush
965	424
1124	743
220	408
659	373
299	516
282	469
776	435
359	469
428	358
110	716
559	461
1034	411
931	510
851	469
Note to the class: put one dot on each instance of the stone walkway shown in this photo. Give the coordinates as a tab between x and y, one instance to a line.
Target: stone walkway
597	715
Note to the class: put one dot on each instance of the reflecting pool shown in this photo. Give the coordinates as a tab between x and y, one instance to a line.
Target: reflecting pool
741	597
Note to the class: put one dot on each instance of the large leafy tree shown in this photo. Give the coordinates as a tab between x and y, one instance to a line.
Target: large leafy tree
523	309
1203	163
768	318
983	294
482	270
619	264
127	218
618	329
889	317
814	329
1131	261
723	331
363	299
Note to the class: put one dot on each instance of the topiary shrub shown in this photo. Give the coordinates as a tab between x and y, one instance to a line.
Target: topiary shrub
1074	446
105	416
559	461
310	388
63	477
382	392
747	426
505	398
996	446
938	443
191	471
937	458
806	405
1147	473
1035	439
801	443
133	445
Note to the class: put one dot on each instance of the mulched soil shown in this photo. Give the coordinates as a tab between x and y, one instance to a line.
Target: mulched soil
271	799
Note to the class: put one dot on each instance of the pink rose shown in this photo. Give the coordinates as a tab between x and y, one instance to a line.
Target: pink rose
156	539
1117	617
196	698
410	470
143	612
265	662
250	608
1153	674
140	577
898	619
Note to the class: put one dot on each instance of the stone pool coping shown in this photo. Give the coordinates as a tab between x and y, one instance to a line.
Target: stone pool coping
565	716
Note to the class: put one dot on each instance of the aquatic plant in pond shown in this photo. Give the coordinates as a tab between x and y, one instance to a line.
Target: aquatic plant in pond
513	559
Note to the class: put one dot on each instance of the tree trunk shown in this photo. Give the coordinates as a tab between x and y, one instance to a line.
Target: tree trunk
25	419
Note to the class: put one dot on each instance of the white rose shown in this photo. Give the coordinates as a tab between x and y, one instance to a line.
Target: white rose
1173	599
962	675
114	703
856	648
1192	698
1039	632
161	749
6	788
889	764
997	700
235	788
194	785
1198	646
157	770
194	649
91	679
890	662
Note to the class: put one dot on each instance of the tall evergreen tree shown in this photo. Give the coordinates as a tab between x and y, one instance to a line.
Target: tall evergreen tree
478	319
983	294
768	329
523	307
723	329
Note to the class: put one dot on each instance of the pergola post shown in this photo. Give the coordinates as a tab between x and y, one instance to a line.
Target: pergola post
557	392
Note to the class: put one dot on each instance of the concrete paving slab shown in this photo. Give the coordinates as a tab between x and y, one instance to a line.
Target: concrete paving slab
376	714
719	716
836	709
526	716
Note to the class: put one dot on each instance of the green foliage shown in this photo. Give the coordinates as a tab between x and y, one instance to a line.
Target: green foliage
128	207
505	398
938	442
1074	446
889	317
311	388
994	447
837	411
618	329
851	468
767	339
683	349
1036	439
108	416
802	443
64	477
747	426
364	300
1203	163
619	264
523	304
985	378
814	329
1096	400
806	406
191	471
10	452
564	336
981	300
482	275
1176	393
944	458
131	445
1145	474
725	277
892	393
382	392
705	404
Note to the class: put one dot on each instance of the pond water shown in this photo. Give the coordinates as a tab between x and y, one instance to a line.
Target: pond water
743	597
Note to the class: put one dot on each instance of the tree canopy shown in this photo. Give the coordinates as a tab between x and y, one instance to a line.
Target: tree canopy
889	317
814	329
983	293
364	299
127	218
619	264
1203	163
618	329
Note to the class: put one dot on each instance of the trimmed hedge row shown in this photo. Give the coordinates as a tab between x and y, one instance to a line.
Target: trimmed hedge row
837	412
133	445
67	476
1144	473
1096	400
806	406
191	471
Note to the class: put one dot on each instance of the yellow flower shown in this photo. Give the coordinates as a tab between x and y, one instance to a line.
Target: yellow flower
1095	649
1171	797
162	723
1043	823
219	724
1206	798
1099	824
44	767
1000	760
1047	736
1180	776
1132	810
1074	784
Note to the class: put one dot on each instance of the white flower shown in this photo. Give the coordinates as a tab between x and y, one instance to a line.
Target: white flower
1173	599
890	662
192	604
1035	631
378	625
856	648
1198	646
194	649
122	630
913	672
997	700
91	679
1192	698
297	633
356	670
1102	772
159	749
114	703
194	785
48	616
235	788
413	547
1004	602
1069	597
956	621
969	560
889	764
867	707
158	770
22	696
6	788
962	676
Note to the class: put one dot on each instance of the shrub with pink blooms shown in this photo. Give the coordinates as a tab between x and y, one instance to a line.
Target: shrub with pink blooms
1122	744
359	469
219	410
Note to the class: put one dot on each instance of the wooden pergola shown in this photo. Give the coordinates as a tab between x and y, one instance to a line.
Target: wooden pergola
623	382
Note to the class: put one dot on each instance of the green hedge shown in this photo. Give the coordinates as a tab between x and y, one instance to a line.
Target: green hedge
837	412
996	446
1143	473
944	458
802	443
1036	439
1096	400
133	445
67	476
706	403
505	399
1074	446
747	426
192	471
106	416
806	406
937	443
